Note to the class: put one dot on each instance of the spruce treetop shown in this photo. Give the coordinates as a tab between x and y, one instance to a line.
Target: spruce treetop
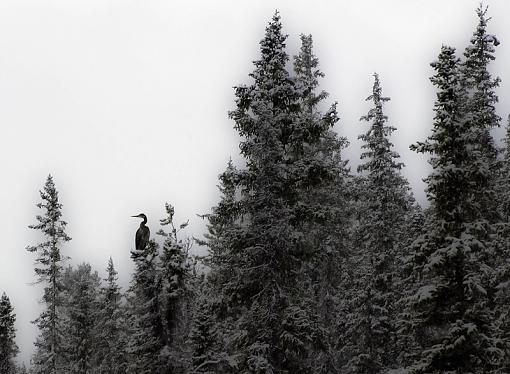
264	108
50	223
447	143
480	85
378	148
306	68
112	273
481	50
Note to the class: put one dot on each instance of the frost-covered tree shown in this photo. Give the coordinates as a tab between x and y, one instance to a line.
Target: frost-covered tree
205	335
264	236
501	239
111	338
8	347
322	210
48	358
451	309
80	344
261	284
174	295
488	171
144	322
503	187
481	97
383	214
212	323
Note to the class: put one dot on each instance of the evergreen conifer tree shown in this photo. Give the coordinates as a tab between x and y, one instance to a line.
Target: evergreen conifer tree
111	337
269	221
145	328
503	187
81	290
203	336
384	212
502	243
451	310
322	210
480	86
8	347
265	118
174	295
210	343
48	358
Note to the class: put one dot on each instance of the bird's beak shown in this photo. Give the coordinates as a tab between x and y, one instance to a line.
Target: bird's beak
135	216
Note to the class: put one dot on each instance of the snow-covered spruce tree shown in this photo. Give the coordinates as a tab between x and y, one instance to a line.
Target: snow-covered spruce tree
213	319
503	244
144	321
264	246
174	295
80	345
451	310
406	282
204	333
481	96
490	192
264	263
503	187
384	211
111	337
48	358
321	210
8	347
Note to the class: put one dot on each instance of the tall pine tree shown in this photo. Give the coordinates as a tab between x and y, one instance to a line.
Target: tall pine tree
48	358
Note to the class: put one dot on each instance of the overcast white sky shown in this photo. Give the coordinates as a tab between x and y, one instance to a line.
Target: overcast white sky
125	103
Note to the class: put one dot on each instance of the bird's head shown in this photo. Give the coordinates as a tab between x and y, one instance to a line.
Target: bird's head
141	215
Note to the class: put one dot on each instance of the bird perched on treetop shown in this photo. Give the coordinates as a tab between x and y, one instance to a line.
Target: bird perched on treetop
142	234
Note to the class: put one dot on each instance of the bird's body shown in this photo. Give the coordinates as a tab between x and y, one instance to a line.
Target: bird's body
142	234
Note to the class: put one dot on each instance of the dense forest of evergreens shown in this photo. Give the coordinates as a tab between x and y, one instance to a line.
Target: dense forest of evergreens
312	267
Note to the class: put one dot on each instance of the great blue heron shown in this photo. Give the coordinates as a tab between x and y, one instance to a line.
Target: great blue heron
142	234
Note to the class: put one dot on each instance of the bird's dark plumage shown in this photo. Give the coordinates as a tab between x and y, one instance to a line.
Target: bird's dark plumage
142	234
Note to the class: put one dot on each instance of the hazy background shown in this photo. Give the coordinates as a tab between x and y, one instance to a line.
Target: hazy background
125	103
